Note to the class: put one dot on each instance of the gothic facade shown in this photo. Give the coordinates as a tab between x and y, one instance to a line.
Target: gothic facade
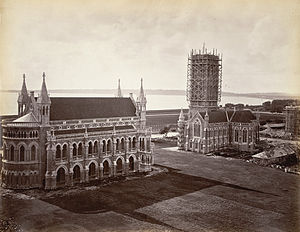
58	142
208	128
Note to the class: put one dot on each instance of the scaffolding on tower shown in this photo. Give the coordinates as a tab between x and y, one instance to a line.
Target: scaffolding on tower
204	78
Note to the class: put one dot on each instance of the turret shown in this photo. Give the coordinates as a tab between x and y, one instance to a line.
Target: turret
141	105
119	94
44	103
180	124
23	99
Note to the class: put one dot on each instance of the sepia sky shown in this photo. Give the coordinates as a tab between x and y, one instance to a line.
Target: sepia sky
90	44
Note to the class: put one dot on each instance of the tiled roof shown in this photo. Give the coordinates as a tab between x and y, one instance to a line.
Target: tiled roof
67	108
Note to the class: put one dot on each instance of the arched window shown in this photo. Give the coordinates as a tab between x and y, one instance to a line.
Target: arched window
118	145
60	176
43	110
122	144
90	149
197	129
236	135
104	146
33	153
74	150
106	168
92	170
80	149
143	144
64	151
119	166
108	146
22	153
58	152
131	163
76	173
134	143
12	153
96	147
4	151
244	135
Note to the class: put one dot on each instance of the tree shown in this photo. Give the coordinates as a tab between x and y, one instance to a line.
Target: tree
165	130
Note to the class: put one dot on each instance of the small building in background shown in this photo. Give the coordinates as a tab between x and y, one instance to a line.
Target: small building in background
292	120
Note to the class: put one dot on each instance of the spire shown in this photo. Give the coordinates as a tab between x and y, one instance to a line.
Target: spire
44	97
206	117
23	97
119	89
142	95
181	116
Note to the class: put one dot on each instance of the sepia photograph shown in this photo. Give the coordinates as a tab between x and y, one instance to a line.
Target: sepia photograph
149	115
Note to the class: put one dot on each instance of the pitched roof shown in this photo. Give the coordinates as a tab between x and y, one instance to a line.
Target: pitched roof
243	116
67	108
216	116
27	118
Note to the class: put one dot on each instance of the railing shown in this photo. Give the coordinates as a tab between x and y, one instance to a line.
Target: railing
21	124
96	120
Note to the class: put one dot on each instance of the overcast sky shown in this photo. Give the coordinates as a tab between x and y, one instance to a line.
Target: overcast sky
90	44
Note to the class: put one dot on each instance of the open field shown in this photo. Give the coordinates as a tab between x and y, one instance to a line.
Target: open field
190	193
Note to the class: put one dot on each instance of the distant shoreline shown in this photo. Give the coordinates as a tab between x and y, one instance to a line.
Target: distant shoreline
270	96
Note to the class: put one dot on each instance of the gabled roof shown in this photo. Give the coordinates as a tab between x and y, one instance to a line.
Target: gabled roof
243	116
67	108
27	118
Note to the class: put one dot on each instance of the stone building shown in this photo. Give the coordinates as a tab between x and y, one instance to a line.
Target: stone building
59	141
292	120
207	127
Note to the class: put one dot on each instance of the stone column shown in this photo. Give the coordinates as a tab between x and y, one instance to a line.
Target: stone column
114	168
101	171
138	144
138	164
71	151
126	145
86	172
86	150
114	148
126	166
70	178
100	148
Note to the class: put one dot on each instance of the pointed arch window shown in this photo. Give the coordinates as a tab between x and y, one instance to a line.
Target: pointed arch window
58	152
64	151
22	153
197	129
96	147
244	135
236	135
33	153
90	149
12	153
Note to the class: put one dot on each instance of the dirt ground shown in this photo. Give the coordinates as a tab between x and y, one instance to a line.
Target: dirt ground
187	192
